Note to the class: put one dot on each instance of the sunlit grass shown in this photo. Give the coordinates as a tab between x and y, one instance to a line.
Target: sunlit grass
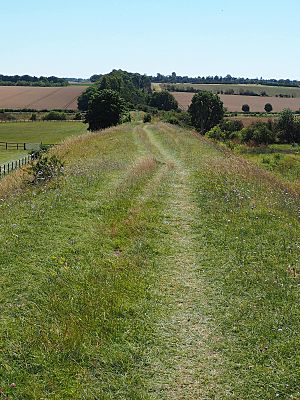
150	225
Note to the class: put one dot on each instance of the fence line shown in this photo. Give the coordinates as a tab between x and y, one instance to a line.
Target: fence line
13	165
13	145
24	145
40	120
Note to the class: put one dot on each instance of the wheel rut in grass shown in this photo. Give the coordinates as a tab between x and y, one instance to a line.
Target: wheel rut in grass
182	358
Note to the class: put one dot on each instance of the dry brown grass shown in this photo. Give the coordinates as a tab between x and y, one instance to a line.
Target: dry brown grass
14	182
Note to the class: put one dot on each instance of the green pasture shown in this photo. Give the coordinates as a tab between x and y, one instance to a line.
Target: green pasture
11	155
37	132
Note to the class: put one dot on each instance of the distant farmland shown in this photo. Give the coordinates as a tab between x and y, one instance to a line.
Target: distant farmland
234	103
40	98
218	88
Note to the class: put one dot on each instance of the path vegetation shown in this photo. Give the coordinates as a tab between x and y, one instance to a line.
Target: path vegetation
160	266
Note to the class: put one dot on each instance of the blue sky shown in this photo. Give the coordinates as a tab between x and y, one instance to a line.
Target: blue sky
192	37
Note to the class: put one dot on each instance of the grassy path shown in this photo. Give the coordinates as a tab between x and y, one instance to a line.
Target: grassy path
182	328
168	270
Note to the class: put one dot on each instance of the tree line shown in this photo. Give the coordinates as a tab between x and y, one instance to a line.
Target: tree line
27	80
228	79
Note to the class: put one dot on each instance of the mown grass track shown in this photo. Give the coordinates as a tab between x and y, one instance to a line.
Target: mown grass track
159	267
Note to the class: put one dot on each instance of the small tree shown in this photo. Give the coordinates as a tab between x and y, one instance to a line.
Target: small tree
286	126
33	117
163	101
268	107
105	109
206	111
245	108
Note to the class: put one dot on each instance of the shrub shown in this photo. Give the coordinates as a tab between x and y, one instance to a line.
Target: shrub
163	101
268	108
258	133
288	127
216	133
245	108
78	116
178	117
55	116
147	118
33	117
46	168
231	125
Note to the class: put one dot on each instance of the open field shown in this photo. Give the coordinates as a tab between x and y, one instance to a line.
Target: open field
37	132
271	91
160	266
40	98
234	103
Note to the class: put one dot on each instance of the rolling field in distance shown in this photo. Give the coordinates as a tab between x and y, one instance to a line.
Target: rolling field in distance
159	266
271	91
234	103
40	98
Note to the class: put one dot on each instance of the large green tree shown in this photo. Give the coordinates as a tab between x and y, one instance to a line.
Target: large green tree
206	111
163	100
105	109
132	87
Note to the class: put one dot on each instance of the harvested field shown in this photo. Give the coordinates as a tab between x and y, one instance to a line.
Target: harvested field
40	98
249	120
270	91
234	103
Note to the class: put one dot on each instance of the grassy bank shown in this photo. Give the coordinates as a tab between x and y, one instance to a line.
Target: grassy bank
282	160
158	267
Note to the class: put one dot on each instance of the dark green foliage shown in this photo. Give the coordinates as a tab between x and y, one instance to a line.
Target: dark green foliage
133	88
176	117
216	133
288	127
268	107
83	99
163	101
229	125
258	133
46	168
147	118
228	79
246	108
206	111
33	117
96	77
105	109
27	80
78	116
55	116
